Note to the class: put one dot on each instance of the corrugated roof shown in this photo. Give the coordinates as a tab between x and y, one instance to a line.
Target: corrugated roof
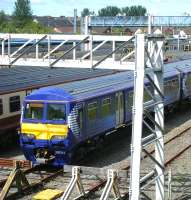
91	87
27	77
21	78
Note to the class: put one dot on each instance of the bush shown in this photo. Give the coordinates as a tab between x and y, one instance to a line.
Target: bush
31	27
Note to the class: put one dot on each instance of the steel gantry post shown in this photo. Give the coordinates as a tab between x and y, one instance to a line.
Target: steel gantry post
149	65
159	119
137	118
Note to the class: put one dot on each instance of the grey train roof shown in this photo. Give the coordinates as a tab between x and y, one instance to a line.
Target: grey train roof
96	86
26	77
106	84
181	65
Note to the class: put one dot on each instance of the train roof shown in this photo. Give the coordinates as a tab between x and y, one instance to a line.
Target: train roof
90	88
181	64
26	77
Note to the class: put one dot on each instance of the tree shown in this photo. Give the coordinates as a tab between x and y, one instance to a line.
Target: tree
137	11
86	12
3	20
22	13
2	17
125	11
110	11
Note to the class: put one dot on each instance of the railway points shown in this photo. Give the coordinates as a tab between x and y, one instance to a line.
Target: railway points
171	125
94	184
150	174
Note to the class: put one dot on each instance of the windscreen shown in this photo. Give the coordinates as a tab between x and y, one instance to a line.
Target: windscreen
56	112
34	111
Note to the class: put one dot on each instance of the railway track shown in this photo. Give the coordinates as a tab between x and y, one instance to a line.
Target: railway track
38	176
168	161
26	179
174	147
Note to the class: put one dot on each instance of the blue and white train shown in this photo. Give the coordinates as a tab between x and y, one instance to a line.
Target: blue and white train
60	123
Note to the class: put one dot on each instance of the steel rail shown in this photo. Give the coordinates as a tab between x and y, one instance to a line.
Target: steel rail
97	186
35	185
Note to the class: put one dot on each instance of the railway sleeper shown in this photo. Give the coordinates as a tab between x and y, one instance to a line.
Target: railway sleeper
109	179
16	176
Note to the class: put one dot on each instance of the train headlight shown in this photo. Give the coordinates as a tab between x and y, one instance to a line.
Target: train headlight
58	137
30	136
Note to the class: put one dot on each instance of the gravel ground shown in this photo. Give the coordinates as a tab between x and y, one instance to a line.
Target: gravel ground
180	143
181	176
116	149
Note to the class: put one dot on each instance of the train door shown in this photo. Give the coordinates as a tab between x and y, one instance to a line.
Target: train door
119	108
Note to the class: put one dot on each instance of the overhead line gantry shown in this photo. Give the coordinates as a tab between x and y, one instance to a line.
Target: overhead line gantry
146	60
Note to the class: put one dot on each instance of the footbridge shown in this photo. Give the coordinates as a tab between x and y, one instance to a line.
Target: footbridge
139	21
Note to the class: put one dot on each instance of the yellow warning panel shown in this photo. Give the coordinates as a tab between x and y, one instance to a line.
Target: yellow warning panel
48	194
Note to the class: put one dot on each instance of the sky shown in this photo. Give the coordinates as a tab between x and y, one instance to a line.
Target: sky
66	7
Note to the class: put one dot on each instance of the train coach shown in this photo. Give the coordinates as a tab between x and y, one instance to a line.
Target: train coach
18	82
59	124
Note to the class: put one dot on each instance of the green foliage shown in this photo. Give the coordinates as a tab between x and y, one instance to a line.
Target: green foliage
31	27
2	17
125	11
3	20
21	21
22	14
117	30
134	11
111	11
34	27
9	28
86	12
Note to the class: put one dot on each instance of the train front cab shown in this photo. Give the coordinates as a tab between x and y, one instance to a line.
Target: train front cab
44	133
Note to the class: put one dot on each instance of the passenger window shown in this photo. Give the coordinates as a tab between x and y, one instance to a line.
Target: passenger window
175	83
167	87
147	96
121	101
92	111
1	107
188	80
14	104
116	104
130	101
106	107
131	94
